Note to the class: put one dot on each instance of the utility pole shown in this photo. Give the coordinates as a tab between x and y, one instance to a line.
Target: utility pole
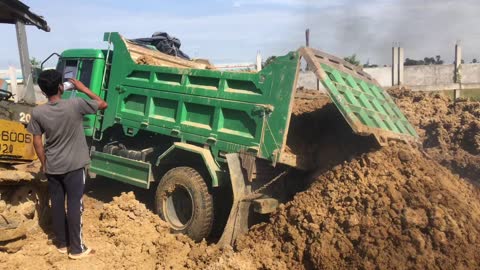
307	37
259	61
307	44
401	60
394	64
458	69
398	56
28	94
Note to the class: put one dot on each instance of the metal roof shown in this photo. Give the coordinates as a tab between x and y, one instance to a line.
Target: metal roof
13	10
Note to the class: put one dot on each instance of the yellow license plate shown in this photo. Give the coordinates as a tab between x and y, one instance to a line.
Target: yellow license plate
16	143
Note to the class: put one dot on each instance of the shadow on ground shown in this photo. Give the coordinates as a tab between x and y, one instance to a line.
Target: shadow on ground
104	189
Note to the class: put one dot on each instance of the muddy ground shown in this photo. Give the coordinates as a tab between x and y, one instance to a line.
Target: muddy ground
398	207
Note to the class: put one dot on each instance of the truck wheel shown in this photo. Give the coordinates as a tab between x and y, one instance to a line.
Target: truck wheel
182	199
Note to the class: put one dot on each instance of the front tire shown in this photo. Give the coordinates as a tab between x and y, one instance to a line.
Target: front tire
183	200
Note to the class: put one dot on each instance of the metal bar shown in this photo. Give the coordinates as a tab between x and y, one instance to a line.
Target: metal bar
29	94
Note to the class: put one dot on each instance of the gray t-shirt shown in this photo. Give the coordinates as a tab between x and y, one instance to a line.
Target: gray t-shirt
62	122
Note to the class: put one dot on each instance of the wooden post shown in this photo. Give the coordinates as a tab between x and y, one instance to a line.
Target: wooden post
307	44
307	38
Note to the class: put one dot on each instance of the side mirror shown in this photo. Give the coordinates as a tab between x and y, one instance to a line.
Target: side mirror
48	58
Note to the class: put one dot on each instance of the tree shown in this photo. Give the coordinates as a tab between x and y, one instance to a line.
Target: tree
352	59
34	62
474	61
437	60
35	69
413	62
368	65
268	61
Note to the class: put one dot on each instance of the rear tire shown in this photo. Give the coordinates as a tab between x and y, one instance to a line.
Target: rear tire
182	199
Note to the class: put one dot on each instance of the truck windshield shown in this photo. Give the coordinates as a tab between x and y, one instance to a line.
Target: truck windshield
77	69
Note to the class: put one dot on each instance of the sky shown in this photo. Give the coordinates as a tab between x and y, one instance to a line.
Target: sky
232	31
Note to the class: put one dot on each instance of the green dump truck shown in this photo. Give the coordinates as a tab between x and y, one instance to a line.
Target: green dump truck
199	131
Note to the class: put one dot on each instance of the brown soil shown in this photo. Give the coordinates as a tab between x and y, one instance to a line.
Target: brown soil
366	208
21	203
125	235
389	209
307	101
319	135
146	60
450	132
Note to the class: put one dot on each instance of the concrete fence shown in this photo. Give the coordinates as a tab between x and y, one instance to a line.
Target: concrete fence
430	77
419	78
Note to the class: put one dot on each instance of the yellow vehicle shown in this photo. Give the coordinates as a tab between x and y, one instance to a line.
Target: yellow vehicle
20	201
22	194
16	143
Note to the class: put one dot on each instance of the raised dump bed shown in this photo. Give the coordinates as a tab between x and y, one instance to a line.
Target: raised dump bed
238	111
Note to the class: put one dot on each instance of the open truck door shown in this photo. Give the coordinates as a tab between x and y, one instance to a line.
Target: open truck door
365	105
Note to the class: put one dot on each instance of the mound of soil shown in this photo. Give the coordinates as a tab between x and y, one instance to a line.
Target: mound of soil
319	135
450	132
142	238
366	208
392	208
125	235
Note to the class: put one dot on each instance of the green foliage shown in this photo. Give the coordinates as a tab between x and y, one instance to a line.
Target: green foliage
35	69
426	61
34	62
368	65
268	61
352	59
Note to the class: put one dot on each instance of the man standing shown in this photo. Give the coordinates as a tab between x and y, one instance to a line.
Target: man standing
64	156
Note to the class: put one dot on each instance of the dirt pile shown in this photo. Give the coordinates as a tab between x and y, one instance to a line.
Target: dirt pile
142	238
391	208
319	135
22	203
450	132
125	235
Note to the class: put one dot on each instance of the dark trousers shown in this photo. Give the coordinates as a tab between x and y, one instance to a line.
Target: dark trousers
67	227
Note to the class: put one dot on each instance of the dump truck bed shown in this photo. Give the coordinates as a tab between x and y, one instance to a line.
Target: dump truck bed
237	111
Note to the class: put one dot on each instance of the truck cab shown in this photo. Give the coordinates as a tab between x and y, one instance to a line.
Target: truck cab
87	66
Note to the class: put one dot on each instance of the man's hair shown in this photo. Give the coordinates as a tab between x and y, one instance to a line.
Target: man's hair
49	80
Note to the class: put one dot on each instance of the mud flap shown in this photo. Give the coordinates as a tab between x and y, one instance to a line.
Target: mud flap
130	171
237	223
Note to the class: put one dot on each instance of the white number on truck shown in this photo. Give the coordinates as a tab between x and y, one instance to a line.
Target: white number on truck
24	117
